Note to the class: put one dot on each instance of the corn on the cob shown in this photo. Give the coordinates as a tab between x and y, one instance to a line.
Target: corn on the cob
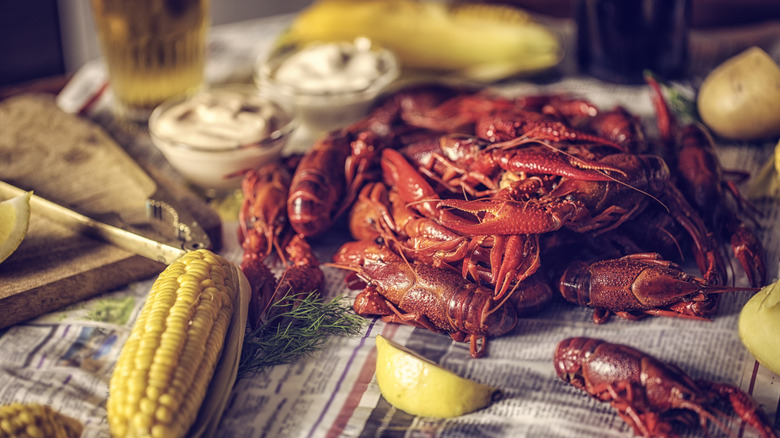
167	362
33	420
482	42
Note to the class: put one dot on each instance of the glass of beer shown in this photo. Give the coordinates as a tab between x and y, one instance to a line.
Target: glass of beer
618	39
153	49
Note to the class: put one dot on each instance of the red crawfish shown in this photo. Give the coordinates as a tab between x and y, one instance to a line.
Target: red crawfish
318	185
463	163
637	285
262	220
300	275
590	206
498	118
512	258
263	227
424	296
621	127
570	108
333	171
702	179
648	394
262	210
507	124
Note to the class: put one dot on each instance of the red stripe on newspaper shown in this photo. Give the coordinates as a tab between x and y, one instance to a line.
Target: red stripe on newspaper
89	103
361	383
753	378
341	378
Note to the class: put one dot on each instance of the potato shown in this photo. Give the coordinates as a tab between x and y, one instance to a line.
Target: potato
759	325
740	99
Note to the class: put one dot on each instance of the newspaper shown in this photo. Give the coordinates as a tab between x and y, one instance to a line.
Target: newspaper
64	359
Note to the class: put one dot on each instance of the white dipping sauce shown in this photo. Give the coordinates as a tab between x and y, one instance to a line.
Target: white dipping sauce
331	84
331	67
218	120
212	137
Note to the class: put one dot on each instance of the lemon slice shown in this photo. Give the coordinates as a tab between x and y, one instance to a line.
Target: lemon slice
759	323
14	220
777	157
419	387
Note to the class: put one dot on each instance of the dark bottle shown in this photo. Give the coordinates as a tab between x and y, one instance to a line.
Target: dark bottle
618	39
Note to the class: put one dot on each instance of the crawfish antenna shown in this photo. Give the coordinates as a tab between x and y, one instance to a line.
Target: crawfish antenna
503	300
705	416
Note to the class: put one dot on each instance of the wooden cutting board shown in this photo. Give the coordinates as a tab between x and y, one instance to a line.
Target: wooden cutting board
73	162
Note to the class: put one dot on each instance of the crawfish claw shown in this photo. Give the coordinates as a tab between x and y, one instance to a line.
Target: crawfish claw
743	406
750	253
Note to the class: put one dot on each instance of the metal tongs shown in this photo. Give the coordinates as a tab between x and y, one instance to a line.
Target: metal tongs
187	235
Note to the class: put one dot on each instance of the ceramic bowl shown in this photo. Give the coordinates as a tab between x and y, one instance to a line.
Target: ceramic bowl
213	136
330	84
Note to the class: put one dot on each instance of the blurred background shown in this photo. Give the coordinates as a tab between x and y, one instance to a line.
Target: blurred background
43	38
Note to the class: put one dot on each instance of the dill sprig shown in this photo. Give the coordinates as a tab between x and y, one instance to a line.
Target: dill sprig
682	106
297	327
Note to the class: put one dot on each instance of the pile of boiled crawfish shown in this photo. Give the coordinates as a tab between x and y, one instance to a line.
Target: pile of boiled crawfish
469	209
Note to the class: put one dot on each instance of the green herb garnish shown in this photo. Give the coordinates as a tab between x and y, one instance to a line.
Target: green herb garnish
297	328
682	106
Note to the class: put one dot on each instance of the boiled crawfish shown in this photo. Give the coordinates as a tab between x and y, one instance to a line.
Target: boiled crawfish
497	118
263	226
701	178
637	285
589	206
650	395
424	296
457	186
418	232
333	171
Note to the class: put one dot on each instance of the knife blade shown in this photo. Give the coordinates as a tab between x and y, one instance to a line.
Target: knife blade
154	249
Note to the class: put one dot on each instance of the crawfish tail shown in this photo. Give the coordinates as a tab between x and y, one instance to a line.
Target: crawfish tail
532	295
263	285
569	357
318	184
304	263
302	275
621	127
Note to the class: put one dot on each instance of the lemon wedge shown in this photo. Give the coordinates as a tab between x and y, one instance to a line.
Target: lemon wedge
759	324
14	221
421	388
766	183
777	157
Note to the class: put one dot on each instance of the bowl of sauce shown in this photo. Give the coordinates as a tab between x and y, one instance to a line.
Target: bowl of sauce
212	137
331	84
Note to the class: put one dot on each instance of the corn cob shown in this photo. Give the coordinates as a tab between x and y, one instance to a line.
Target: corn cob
169	359
478	41
34	420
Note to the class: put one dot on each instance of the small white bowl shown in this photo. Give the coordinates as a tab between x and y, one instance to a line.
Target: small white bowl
212	137
331	84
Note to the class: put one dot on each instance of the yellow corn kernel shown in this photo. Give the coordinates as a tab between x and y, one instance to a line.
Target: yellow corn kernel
163	371
33	420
